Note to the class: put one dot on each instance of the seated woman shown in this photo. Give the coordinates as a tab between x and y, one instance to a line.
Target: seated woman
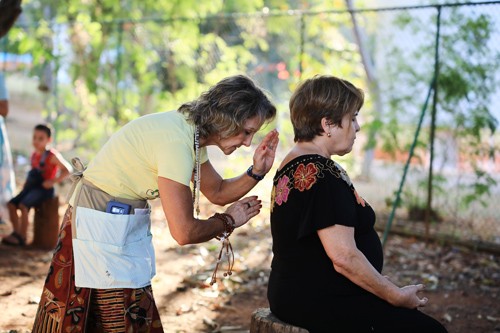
326	271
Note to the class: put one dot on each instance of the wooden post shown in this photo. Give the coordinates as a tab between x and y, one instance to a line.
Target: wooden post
46	224
263	321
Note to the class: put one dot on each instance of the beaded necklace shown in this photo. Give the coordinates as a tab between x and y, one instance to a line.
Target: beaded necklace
197	174
227	220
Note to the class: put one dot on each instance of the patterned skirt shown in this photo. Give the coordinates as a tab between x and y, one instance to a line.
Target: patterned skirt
66	308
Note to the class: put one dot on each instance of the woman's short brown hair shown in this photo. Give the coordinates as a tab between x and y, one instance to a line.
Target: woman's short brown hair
225	107
319	97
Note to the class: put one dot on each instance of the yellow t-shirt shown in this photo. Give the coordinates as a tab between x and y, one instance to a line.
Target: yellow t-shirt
159	144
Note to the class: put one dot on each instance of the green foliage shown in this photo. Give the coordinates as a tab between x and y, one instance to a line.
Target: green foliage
120	69
479	190
466	82
111	61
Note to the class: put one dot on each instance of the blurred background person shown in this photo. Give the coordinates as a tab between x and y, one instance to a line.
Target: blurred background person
7	180
9	12
48	167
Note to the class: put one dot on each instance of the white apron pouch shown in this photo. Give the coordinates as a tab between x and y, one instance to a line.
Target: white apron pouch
113	251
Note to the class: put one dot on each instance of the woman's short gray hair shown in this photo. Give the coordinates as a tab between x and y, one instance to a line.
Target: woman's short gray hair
225	107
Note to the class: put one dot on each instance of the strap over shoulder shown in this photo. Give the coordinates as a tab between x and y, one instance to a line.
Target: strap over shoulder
76	176
44	158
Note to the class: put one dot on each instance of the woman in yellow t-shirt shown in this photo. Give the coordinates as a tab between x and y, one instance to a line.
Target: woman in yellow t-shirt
100	275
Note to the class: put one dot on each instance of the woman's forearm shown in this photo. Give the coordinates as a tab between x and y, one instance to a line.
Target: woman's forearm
339	244
224	191
196	231
359	270
233	189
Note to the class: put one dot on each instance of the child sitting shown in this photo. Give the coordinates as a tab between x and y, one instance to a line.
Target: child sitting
39	185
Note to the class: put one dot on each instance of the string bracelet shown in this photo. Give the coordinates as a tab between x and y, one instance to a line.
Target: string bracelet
229	226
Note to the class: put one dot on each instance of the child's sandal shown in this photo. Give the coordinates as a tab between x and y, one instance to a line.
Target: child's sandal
20	240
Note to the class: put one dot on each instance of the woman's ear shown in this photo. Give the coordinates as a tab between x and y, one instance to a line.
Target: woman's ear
325	124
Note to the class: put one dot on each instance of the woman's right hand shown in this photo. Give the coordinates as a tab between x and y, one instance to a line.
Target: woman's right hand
408	297
244	209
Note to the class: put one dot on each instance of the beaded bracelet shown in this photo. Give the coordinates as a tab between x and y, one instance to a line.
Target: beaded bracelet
229	226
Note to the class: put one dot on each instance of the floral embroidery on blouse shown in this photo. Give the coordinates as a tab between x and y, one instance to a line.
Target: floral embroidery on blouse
305	176
359	199
273	197
282	190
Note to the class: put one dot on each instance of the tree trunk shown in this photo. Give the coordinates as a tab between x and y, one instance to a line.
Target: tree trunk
373	86
46	224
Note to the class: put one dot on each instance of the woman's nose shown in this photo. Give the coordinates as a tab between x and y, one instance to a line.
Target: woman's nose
248	141
356	126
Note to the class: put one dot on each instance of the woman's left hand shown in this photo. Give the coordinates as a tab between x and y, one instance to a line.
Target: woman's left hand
264	155
243	210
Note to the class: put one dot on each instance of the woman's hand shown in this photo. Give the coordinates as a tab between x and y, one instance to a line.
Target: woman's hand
264	155
243	210
408	297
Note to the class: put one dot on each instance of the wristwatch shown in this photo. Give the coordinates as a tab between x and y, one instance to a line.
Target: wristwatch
253	175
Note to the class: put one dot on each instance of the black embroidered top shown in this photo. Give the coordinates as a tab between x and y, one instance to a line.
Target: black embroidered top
310	193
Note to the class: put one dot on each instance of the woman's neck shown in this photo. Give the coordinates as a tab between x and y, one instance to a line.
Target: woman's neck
304	148
310	147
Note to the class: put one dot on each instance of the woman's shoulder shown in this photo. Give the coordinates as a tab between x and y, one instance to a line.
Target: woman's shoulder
314	175
158	118
305	172
296	166
291	162
307	176
156	127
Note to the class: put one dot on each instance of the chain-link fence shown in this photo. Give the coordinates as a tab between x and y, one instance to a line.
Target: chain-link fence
98	75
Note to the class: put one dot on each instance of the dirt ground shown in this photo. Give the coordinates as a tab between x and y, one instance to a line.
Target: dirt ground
463	286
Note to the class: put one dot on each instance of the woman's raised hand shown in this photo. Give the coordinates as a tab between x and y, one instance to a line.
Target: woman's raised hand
264	155
243	210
